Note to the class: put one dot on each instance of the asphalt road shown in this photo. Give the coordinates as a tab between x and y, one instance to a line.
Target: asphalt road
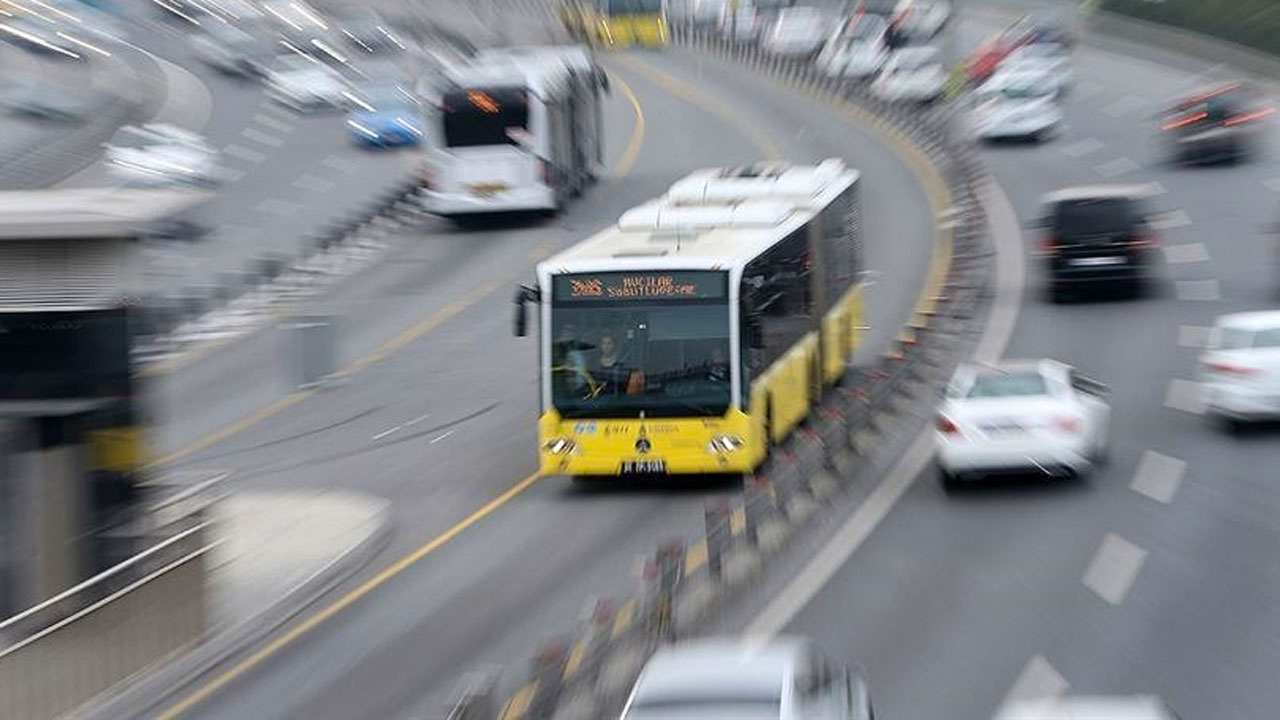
445	424
1156	575
286	174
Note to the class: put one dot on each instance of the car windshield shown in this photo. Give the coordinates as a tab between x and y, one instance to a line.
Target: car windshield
1235	338
1093	217
1007	384
651	342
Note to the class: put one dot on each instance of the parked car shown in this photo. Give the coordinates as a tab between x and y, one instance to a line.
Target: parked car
786	678
912	74
1222	123
1240	368
1049	58
1100	235
1037	417
987	58
858	49
1017	104
921	19
161	154
797	33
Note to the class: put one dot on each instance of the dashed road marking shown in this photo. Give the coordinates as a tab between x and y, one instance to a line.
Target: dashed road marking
1115	168
1082	148
1154	188
1114	568
1158	476
1184	395
333	162
1186	253
1193	336
260	137
276	206
441	436
231	175
311	183
241	152
1038	681
272	123
1198	290
1171	220
1123	106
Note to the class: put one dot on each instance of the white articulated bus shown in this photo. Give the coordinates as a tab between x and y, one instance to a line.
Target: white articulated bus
517	129
702	327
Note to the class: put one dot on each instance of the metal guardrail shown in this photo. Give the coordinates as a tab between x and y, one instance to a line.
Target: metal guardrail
587	674
78	644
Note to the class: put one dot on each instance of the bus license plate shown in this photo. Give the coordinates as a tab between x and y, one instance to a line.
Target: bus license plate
637	467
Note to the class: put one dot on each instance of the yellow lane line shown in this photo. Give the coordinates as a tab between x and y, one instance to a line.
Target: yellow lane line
695	558
623	620
314	621
629	156
697	97
576	656
519	704
738	521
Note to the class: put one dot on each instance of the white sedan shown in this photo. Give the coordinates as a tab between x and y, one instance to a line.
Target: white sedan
857	51
913	74
1051	59
922	19
1016	104
1240	369
797	33
1029	416
304	83
161	154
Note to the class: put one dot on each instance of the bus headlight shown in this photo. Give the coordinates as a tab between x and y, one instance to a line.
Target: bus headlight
724	444
559	446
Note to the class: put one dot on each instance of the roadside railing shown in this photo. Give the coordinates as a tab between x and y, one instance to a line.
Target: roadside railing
587	673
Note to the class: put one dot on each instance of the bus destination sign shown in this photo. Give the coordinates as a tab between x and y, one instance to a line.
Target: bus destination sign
666	285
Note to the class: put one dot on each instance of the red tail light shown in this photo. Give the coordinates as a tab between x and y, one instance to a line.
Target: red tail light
1067	424
1145	240
1183	122
1226	368
1248	117
1049	245
946	426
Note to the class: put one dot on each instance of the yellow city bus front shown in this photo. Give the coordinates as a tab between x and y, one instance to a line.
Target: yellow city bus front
731	443
627	23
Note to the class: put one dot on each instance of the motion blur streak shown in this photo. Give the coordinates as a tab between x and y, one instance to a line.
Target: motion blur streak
208	689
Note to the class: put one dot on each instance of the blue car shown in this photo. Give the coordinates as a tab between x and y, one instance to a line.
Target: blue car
385	117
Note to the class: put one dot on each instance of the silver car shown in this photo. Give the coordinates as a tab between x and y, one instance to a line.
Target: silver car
784	678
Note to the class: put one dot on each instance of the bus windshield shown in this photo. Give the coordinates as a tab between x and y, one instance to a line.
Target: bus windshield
649	342
632	7
480	117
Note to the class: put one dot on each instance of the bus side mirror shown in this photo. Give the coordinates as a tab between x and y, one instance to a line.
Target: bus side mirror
524	294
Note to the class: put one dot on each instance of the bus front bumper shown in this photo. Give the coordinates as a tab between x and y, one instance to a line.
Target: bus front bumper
511	200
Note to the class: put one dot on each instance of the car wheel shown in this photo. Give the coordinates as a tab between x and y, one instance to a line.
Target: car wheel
1060	294
1101	453
948	480
1232	425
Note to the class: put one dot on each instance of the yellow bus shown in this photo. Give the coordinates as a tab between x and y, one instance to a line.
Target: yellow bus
701	328
617	23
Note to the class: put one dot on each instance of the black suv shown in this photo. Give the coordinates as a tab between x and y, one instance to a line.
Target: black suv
1222	123
1093	236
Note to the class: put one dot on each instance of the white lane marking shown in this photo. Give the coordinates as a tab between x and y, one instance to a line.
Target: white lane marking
276	206
1158	476
1154	188
1273	184
311	183
442	436
1123	106
1171	220
1009	281
231	175
1114	568
417	420
1115	168
260	137
1200	290
1082	148
241	152
272	123
1186	253
385	433
1037	681
1193	336
333	162
1185	395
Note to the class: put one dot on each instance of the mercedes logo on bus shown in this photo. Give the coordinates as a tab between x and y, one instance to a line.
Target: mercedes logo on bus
643	446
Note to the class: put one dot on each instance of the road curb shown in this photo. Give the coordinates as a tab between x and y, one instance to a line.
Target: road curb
143	695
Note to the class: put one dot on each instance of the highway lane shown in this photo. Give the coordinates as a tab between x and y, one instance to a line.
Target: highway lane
1151	576
464	432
